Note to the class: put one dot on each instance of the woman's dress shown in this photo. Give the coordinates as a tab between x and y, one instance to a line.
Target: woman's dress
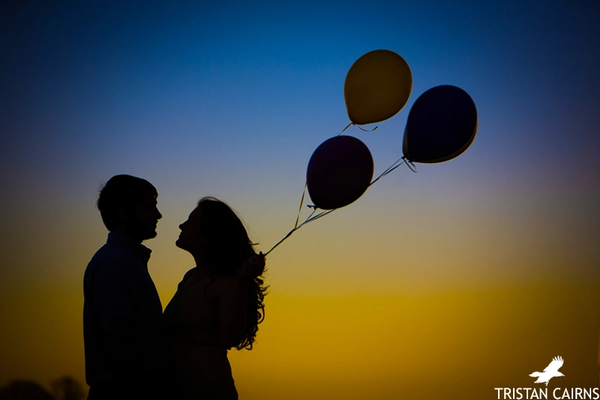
200	365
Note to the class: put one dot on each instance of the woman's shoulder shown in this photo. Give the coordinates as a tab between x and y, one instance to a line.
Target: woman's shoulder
222	281
219	285
186	276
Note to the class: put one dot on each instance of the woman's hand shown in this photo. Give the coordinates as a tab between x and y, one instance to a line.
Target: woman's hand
253	267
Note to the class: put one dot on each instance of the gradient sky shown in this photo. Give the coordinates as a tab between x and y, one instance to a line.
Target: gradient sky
466	276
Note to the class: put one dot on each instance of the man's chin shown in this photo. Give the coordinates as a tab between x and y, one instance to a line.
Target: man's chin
150	235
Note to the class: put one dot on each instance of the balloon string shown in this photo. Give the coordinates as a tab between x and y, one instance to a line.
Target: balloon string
311	217
346	128
395	165
300	207
367	130
358	126
281	241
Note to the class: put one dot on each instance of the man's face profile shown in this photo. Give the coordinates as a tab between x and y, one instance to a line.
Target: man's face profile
143	219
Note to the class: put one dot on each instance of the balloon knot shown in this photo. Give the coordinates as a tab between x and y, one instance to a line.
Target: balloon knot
410	164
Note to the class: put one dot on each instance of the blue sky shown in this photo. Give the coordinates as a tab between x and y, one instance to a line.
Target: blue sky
231	98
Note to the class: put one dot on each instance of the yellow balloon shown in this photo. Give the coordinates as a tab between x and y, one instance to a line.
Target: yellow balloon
377	86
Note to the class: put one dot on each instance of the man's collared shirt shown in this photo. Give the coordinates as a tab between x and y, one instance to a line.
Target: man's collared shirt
122	314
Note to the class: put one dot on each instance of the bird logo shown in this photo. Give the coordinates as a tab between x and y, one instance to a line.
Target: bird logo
550	371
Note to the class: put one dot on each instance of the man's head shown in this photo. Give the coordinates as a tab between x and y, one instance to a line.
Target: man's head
127	205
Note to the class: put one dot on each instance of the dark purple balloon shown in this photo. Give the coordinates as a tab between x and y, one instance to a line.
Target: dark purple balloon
339	172
441	125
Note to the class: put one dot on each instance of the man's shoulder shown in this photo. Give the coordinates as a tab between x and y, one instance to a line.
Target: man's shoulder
109	252
111	258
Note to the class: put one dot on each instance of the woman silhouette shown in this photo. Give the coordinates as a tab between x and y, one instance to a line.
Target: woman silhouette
218	304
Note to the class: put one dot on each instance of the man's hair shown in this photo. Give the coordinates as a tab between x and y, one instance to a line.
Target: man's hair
122	192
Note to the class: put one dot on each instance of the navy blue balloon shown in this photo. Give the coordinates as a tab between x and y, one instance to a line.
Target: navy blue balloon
339	172
441	125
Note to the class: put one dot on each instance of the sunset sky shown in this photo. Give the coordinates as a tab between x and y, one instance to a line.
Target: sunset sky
466	276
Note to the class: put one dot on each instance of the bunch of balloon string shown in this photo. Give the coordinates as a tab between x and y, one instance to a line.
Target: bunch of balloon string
441	125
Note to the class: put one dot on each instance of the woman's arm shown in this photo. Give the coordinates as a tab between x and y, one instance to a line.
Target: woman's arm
233	312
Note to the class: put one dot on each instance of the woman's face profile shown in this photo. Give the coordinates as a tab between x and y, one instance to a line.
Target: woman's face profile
191	237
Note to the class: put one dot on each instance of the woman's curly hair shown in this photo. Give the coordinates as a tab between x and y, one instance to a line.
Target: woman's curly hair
228	246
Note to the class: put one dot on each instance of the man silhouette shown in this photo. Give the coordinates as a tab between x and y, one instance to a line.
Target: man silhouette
124	354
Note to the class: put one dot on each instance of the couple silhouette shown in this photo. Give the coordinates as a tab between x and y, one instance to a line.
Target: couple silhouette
135	351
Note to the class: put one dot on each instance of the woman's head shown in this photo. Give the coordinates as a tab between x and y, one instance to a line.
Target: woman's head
216	237
214	234
227	242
